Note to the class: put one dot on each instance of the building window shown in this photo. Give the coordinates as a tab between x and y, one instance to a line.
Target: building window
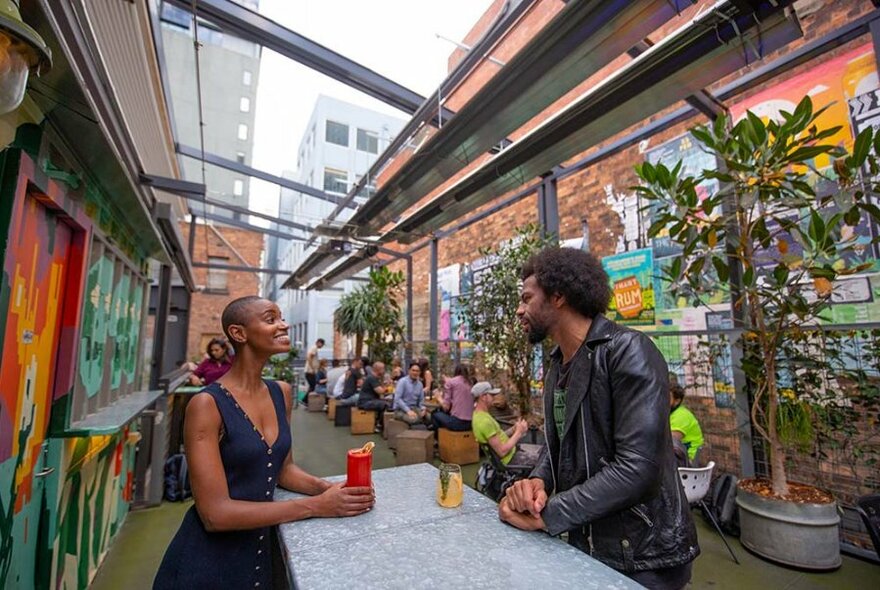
246	77
368	141
335	181
176	16
239	157
217	276
238	187
245	104
242	131
336	133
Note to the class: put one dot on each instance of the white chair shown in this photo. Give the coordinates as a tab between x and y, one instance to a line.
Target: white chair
696	482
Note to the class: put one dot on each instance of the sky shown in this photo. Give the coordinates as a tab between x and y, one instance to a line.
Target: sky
395	38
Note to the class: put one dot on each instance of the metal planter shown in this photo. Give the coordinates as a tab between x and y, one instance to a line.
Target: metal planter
799	535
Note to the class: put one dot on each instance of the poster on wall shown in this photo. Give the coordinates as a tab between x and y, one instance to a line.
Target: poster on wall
631	277
830	84
448	285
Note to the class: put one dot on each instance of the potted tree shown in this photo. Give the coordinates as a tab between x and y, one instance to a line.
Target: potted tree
489	311
785	236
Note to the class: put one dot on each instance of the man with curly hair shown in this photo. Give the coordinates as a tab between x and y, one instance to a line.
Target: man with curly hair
609	475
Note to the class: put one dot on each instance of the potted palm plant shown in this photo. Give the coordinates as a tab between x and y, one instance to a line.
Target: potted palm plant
786	237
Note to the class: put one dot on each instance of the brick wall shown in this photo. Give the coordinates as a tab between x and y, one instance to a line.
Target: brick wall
237	248
584	195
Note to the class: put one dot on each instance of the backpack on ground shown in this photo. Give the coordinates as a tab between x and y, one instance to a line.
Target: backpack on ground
177	488
721	503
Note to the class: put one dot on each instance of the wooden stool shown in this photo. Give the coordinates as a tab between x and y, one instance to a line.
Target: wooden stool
315	402
362	421
343	416
331	408
458	447
392	428
387	416
415	446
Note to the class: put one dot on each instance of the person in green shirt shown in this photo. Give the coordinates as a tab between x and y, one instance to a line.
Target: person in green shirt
488	431
685	427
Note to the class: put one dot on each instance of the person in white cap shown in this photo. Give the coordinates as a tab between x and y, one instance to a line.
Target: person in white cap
487	430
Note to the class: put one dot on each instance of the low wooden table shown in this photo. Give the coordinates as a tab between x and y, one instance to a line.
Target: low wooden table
464	547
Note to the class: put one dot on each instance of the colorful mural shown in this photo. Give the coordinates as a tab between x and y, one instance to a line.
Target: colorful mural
96	322
93	503
33	283
61	499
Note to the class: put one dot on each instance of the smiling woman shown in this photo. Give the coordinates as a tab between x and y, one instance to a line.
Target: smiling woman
237	440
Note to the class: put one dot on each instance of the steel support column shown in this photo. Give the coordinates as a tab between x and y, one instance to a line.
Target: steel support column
548	205
191	246
409	309
162	305
433	310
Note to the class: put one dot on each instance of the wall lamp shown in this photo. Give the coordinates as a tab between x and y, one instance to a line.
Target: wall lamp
21	50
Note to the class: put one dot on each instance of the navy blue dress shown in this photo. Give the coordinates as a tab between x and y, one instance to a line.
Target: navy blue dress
197	558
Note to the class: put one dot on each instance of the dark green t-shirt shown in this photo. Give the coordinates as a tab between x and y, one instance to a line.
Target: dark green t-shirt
559	397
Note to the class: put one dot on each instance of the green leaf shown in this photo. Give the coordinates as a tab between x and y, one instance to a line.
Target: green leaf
852	216
721	268
862	146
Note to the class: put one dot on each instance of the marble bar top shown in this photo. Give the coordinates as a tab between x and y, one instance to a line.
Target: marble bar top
409	541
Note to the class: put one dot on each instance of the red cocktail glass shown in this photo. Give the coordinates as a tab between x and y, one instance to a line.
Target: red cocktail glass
360	466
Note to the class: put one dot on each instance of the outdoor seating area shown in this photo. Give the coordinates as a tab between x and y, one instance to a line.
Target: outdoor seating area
564	294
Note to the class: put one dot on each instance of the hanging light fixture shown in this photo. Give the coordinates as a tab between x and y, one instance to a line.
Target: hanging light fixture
21	50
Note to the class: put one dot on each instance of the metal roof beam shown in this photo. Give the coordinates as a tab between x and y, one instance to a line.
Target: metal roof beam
238	268
804	53
256	28
702	100
227	164
245	211
583	38
247	226
513	11
708	48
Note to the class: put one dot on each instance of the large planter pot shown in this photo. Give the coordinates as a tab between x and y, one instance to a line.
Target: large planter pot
800	535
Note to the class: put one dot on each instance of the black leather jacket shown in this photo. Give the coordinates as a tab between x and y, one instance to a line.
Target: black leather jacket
617	490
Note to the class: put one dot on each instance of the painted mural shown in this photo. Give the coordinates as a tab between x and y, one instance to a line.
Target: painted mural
32	291
61	499
93	503
113	319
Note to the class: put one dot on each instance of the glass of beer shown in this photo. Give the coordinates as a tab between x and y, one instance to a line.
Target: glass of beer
360	467
449	485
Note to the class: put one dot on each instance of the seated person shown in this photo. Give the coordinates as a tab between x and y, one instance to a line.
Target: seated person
373	392
409	397
685	427
215	364
488	431
321	377
351	387
457	403
339	385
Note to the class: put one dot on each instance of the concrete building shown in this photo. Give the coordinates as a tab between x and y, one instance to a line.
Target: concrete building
340	144
229	69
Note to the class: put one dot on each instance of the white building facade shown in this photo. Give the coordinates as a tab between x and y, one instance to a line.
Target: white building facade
340	144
